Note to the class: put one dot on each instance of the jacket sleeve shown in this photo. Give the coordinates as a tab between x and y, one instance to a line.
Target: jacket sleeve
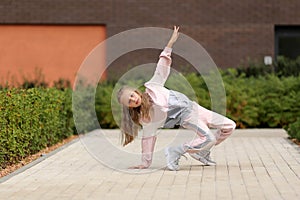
147	150
162	70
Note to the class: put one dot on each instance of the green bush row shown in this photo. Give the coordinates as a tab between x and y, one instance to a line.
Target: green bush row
294	129
265	101
31	120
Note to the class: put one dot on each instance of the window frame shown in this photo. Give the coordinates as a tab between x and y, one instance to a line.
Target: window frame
286	31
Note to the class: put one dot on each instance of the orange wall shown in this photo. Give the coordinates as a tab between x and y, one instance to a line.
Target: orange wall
57	51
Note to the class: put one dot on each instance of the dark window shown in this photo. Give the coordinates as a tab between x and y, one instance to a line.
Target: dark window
287	41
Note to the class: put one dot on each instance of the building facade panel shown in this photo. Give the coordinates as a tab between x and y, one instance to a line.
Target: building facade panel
231	31
45	53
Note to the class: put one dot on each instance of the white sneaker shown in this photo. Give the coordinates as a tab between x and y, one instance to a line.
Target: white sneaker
205	160
173	155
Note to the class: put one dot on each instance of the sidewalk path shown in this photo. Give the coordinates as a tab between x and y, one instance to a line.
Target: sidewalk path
251	164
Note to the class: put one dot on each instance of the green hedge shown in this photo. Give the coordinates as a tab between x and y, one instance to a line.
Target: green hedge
294	129
262	102
32	119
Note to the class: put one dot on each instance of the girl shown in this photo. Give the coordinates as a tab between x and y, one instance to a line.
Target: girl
159	107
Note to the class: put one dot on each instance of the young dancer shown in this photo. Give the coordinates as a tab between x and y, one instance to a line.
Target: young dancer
159	107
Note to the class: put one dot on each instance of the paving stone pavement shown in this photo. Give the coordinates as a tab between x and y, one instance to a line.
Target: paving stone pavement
251	164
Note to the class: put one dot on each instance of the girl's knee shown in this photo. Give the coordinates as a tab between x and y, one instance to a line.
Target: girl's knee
212	139
229	127
233	124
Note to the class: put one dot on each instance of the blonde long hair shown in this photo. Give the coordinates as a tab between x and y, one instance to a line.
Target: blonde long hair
131	117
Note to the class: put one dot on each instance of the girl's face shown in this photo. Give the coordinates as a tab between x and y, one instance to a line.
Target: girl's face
131	99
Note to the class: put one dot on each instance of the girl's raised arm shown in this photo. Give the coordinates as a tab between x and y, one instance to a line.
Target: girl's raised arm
173	37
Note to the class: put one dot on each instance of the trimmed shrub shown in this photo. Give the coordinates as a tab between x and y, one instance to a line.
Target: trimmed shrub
265	101
103	105
294	129
31	120
84	109
242	101
287	67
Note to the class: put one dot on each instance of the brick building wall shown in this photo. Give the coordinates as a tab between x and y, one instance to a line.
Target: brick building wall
232	31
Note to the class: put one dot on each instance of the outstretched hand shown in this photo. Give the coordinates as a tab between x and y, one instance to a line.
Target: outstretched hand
138	167
174	37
